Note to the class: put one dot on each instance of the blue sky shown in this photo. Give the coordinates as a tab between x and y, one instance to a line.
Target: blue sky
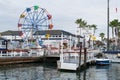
64	12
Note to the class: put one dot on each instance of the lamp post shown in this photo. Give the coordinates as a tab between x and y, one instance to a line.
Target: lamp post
107	25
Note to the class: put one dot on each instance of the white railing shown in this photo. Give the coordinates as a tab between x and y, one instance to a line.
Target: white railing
31	53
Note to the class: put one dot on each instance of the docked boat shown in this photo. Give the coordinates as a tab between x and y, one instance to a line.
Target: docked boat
103	61
113	55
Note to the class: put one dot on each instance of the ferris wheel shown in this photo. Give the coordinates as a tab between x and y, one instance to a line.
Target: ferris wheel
34	19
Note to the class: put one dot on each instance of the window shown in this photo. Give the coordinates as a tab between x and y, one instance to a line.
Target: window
3	42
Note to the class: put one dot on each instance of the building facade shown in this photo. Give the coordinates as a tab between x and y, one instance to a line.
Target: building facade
48	38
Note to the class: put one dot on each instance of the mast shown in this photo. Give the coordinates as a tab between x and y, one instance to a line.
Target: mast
107	24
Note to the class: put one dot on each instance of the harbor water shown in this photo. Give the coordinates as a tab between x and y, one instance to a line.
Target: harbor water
48	71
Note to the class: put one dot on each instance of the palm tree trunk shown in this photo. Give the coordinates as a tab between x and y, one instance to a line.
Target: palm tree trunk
112	32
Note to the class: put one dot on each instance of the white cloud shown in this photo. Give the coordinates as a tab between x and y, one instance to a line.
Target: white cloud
64	12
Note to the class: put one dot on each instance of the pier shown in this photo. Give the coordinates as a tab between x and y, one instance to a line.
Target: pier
71	61
11	57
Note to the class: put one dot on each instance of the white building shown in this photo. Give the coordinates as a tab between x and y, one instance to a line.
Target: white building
48	38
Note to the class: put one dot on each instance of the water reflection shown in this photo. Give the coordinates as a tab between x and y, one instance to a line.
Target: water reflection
28	72
103	67
50	72
81	76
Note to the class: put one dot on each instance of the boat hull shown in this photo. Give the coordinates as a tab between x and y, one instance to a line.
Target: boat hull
103	61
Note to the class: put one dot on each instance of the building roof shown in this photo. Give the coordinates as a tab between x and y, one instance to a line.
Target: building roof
9	32
55	32
42	32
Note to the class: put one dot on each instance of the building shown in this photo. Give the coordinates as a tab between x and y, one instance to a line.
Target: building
11	35
48	38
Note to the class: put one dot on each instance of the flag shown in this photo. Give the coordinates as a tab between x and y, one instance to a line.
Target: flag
93	38
47	35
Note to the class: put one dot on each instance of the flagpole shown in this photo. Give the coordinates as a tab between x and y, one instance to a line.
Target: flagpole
116	31
107	25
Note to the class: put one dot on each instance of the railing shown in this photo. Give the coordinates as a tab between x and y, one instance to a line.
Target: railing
22	53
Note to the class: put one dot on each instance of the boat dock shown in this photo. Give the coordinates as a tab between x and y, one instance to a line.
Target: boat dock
74	61
13	57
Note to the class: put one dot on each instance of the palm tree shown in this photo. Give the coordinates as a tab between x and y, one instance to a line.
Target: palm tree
94	28
102	36
81	23
115	25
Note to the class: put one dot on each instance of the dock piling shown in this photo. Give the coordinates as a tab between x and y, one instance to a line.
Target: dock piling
85	57
80	57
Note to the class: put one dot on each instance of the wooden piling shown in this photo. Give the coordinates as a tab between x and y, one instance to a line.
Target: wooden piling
85	57
79	68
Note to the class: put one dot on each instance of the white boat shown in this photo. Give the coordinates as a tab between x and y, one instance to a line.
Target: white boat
115	57
103	61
